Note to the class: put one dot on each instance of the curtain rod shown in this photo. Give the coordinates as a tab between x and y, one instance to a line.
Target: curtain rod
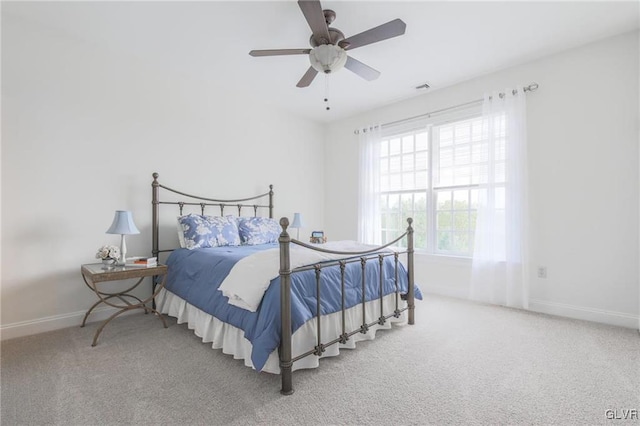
530	88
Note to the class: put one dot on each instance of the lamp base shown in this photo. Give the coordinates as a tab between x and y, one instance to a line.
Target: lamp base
123	252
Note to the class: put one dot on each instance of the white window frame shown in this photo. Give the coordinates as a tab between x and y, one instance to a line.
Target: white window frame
433	146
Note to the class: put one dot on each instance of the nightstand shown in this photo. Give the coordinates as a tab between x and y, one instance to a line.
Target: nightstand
96	278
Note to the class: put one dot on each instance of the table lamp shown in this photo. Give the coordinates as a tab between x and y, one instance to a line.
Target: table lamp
123	225
297	224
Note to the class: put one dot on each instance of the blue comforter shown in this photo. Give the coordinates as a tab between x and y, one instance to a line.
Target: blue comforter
194	275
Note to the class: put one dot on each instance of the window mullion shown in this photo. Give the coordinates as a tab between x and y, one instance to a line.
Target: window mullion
431	222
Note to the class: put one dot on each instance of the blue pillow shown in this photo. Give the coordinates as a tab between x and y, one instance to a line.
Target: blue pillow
258	230
209	231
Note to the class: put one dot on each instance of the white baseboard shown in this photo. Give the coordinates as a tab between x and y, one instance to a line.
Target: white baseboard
444	290
553	308
56	322
620	319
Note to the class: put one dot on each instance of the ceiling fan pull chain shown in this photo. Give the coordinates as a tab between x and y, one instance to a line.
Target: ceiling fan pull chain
326	91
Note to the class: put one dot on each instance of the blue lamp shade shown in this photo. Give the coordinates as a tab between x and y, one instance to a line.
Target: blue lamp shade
123	224
297	221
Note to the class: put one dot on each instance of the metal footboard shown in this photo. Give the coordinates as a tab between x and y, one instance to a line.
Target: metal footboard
286	360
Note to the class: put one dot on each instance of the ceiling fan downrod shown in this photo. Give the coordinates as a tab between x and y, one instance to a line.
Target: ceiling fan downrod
335	36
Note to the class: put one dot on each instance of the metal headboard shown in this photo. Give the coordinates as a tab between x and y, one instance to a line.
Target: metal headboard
203	202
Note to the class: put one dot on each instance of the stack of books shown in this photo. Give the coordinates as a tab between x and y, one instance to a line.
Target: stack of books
142	262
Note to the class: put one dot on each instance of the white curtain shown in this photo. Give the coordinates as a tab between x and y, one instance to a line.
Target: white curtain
500	258
369	186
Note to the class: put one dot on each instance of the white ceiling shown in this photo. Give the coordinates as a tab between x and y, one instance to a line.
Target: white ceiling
445	42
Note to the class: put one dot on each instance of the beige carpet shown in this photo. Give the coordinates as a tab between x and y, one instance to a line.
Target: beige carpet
462	363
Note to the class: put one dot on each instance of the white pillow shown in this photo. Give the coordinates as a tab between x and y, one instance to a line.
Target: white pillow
183	244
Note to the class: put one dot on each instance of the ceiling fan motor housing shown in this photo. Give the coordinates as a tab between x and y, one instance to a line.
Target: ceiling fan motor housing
328	58
335	36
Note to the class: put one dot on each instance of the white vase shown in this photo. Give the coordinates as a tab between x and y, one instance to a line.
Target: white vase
108	263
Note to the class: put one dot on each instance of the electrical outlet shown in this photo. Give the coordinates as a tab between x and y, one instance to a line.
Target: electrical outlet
542	272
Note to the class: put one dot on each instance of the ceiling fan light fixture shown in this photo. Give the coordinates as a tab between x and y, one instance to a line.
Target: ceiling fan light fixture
328	58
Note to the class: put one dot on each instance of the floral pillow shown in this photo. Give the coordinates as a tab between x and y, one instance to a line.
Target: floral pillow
258	230
209	231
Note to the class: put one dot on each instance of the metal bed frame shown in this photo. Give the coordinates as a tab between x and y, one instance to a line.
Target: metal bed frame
285	241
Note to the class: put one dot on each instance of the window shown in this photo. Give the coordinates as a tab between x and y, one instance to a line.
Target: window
404	176
436	174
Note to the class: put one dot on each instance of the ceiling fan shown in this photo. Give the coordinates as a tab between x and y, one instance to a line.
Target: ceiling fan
329	46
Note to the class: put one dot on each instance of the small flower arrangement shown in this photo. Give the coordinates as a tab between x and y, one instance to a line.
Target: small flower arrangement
108	252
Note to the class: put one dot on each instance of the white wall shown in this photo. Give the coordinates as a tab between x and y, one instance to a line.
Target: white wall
583	159
83	130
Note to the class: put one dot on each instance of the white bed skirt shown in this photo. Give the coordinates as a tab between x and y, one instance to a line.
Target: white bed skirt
232	341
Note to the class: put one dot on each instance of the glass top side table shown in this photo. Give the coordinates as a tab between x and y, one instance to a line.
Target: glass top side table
95	276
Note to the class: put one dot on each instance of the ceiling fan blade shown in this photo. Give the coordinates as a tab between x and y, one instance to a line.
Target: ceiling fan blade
364	71
382	32
278	52
307	78
312	11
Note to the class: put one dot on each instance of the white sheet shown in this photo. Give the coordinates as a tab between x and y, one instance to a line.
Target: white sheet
232	341
250	277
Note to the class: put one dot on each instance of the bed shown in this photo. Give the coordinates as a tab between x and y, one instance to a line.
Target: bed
275	302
